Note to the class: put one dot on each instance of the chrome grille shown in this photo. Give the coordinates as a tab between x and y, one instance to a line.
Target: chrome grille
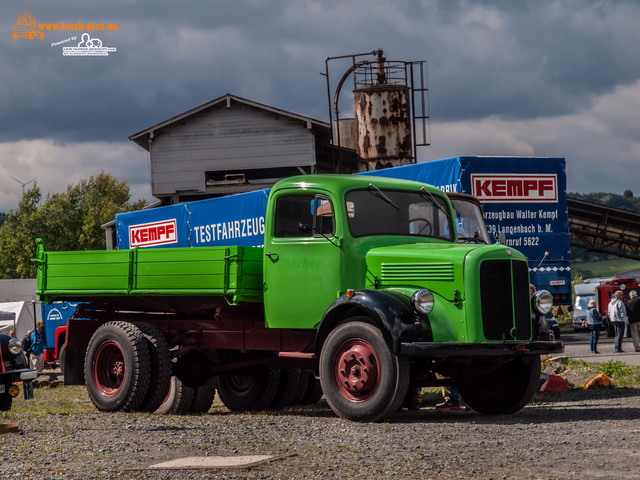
504	291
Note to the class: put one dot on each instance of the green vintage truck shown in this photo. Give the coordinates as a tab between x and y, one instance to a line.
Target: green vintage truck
364	287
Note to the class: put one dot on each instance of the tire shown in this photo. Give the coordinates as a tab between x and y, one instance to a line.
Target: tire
301	390
62	357
203	399
160	378
179	399
5	400
287	389
506	389
117	367
253	389
361	378
314	391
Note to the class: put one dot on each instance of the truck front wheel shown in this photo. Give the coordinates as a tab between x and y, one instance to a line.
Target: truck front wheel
361	378
117	367
506	389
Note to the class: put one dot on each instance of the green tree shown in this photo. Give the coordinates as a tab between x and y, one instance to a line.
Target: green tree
70	220
16	240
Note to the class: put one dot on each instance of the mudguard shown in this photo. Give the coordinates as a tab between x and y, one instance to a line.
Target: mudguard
388	310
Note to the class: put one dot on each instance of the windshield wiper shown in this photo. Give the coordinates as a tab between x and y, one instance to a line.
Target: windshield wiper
433	200
378	193
475	239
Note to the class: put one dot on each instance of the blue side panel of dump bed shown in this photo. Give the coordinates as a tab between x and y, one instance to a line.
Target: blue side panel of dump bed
233	220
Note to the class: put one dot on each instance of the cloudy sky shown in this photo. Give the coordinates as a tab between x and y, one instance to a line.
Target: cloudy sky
546	78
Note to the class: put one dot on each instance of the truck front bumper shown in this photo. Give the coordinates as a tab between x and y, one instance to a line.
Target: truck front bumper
22	374
459	349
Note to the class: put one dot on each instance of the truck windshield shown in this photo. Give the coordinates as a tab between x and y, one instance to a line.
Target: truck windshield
373	211
469	222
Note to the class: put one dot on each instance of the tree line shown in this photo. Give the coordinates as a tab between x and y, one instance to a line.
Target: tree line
69	220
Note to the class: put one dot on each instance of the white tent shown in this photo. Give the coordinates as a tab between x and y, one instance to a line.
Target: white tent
23	314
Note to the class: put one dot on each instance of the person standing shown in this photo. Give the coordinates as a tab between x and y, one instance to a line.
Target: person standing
594	322
633	315
618	318
36	354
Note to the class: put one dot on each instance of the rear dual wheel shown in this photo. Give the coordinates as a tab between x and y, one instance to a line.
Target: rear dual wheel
361	378
178	399
117	366
160	372
251	389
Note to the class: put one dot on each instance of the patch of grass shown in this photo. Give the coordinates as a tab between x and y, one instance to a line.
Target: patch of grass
604	268
579	372
622	374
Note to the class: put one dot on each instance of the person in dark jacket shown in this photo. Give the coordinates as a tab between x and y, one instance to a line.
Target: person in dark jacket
633	315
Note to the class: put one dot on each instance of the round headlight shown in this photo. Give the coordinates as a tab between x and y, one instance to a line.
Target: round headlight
542	301
423	301
15	346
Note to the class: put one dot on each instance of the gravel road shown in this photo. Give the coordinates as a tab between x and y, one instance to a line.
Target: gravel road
574	435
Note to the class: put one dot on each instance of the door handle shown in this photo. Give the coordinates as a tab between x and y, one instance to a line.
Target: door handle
274	257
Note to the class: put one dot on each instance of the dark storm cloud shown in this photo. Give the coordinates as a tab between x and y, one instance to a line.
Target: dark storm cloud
511	59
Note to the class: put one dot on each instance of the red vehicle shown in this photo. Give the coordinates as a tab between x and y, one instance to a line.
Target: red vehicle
604	294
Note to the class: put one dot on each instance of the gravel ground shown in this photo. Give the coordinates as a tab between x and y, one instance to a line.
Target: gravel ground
578	434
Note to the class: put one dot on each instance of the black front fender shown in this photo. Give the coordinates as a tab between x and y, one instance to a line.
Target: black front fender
391	312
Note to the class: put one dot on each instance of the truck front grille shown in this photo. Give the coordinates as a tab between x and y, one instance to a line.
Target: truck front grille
416	273
504	290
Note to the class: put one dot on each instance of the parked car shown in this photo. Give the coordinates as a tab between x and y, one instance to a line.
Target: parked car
14	367
553	324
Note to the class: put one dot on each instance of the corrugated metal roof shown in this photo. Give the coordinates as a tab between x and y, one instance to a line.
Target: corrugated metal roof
141	137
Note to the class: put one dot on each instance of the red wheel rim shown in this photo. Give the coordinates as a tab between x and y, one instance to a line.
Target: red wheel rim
109	368
355	370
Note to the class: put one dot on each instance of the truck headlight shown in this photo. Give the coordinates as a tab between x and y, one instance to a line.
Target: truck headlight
15	346
423	301
542	301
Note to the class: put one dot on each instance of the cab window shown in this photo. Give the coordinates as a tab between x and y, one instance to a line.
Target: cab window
304	216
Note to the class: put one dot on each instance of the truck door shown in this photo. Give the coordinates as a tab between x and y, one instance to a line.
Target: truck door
302	260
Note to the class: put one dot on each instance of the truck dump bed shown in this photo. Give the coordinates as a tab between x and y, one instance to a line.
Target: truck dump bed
232	272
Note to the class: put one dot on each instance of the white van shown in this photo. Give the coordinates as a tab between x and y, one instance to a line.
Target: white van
583	293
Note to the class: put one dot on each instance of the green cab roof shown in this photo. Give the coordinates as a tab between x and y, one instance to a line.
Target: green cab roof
338	183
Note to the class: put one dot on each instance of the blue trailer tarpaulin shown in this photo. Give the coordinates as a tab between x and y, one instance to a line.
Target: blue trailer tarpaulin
233	220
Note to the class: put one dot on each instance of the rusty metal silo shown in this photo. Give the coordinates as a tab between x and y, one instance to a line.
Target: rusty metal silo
383	126
385	112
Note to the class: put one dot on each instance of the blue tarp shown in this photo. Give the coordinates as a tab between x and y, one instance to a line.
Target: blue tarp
233	220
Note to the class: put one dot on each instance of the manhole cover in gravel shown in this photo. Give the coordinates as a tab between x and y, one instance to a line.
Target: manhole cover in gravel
194	463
